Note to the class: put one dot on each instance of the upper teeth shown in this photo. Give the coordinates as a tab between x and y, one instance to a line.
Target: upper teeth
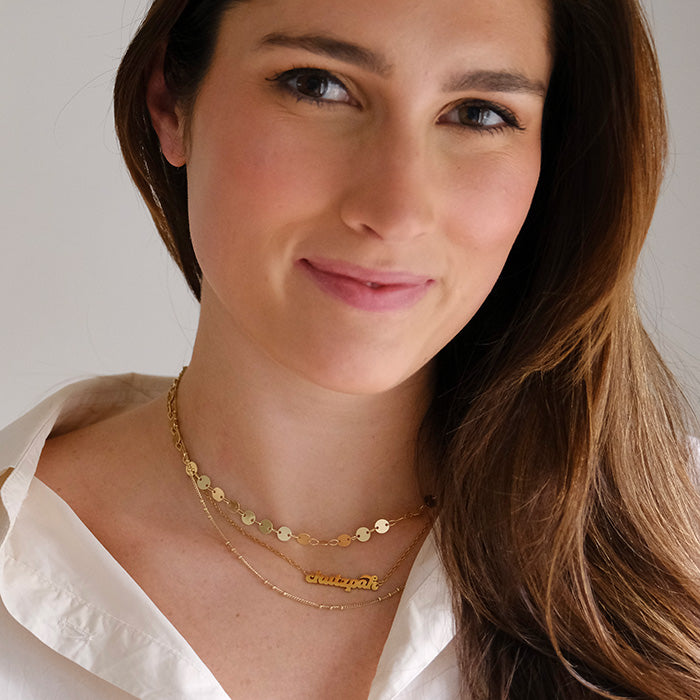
373	285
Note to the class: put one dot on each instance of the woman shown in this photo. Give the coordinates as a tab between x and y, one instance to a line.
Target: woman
423	447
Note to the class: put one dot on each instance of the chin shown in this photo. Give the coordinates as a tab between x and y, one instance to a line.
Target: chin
369	378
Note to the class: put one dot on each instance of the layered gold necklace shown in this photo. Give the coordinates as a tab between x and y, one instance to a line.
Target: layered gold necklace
240	518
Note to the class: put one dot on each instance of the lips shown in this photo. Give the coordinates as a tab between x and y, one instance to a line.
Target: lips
366	289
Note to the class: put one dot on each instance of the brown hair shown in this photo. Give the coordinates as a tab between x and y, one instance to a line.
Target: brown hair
186	30
569	517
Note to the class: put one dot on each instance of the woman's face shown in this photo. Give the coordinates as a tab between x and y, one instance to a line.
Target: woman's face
358	172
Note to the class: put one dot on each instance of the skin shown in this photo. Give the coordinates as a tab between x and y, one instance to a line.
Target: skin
301	403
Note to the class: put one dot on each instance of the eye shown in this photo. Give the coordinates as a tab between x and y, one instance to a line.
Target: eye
313	85
481	116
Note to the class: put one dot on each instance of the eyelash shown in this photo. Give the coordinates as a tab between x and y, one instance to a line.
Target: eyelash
282	82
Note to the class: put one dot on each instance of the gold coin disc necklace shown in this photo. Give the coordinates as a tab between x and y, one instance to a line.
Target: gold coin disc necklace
364	582
203	486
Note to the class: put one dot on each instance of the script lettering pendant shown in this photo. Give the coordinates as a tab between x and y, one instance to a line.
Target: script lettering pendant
367	582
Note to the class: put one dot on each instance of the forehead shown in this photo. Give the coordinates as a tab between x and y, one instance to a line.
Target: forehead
492	32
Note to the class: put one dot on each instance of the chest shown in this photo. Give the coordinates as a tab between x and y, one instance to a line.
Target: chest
257	643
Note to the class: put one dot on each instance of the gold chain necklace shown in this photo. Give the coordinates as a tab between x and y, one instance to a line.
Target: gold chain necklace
366	582
285	534
248	517
281	591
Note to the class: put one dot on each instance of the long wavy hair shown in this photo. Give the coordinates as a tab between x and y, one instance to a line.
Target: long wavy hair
569	521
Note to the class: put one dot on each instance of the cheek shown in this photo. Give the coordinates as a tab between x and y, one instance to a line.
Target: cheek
492	201
257	177
487	212
238	192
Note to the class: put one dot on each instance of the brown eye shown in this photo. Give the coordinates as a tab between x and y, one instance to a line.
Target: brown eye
481	116
474	115
313	85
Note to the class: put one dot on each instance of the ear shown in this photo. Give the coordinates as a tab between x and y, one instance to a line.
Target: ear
166	115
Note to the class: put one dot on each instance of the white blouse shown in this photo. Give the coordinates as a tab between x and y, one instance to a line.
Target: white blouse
74	624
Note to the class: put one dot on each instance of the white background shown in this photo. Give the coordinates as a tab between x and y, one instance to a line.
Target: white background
87	288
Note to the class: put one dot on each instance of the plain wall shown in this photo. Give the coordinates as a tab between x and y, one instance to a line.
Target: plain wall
87	288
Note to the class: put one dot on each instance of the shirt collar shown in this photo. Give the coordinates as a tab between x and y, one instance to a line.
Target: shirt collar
58	581
423	626
76	405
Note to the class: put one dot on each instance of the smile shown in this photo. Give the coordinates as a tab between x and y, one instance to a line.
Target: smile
369	290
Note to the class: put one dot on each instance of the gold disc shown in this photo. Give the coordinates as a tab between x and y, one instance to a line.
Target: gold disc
248	517
204	482
304	538
217	494
363	534
266	527
284	534
382	526
344	540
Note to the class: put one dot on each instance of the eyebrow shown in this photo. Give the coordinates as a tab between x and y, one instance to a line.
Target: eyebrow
334	48
496	81
487	80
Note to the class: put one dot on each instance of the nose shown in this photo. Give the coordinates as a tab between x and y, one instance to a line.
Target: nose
390	191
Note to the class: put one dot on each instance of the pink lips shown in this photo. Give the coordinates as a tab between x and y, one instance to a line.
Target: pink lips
370	290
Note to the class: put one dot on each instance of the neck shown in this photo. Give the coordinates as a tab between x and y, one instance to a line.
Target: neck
293	450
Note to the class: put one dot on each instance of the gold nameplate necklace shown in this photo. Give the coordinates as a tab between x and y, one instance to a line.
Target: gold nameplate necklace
217	500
